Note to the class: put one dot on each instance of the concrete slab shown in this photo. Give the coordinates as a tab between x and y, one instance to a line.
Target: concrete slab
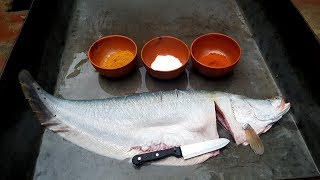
286	155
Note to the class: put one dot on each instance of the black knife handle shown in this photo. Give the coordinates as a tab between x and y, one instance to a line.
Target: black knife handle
139	159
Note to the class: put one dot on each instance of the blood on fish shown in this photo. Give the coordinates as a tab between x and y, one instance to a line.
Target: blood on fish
221	118
155	147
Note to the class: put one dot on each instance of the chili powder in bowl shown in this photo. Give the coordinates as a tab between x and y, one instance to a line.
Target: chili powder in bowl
113	56
215	54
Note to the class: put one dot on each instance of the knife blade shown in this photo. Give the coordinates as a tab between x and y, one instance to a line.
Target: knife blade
185	151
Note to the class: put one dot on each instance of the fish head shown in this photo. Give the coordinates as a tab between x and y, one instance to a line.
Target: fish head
270	110
234	112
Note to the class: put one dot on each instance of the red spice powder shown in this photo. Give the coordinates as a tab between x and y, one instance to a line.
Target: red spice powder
215	60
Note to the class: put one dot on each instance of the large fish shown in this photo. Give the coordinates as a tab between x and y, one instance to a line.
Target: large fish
122	127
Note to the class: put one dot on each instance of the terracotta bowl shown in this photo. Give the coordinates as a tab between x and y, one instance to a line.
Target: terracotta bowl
106	46
214	43
165	45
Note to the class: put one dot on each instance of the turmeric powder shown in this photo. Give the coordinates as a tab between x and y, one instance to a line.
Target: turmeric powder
117	59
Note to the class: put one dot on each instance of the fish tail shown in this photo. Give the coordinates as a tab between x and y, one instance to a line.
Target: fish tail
253	139
35	95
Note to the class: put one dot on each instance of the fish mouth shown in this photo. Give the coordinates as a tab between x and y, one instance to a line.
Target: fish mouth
281	107
284	108
280	104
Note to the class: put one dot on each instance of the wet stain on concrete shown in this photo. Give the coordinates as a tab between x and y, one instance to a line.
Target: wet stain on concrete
77	70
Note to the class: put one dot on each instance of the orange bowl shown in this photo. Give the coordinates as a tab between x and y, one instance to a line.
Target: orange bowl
165	45
215	54
108	45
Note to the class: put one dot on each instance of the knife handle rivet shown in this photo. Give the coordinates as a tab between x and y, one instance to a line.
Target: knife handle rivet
139	158
157	154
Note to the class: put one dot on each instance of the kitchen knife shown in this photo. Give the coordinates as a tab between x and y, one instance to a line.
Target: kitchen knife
185	151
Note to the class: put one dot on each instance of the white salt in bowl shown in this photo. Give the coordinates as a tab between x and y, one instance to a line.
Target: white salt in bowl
168	50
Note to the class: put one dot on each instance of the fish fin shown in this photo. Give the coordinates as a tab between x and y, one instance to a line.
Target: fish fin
49	123
253	139
31	91
60	130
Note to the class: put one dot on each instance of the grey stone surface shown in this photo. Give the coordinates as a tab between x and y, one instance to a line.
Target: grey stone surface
286	154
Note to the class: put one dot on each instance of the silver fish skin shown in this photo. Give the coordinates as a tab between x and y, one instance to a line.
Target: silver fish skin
122	127
125	126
